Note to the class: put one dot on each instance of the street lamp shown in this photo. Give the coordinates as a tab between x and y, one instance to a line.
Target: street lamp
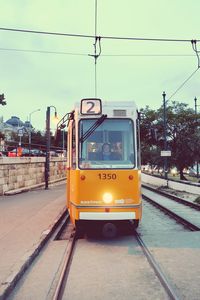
195	105
48	144
29	133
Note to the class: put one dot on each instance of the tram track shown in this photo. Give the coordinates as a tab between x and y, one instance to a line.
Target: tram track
54	234
172	197
157	269
58	294
175	216
182	211
160	274
61	281
72	252
162	277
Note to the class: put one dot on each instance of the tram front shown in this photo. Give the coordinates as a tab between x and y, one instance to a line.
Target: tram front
107	181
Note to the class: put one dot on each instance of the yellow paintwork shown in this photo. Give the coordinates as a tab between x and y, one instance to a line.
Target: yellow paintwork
87	194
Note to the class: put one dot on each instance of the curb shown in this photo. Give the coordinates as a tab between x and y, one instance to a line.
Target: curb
9	284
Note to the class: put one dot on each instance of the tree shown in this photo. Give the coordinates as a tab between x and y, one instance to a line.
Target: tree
183	136
2	99
148	133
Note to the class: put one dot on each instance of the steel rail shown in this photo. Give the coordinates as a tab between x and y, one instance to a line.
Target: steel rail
178	218
163	279
63	226
172	197
65	269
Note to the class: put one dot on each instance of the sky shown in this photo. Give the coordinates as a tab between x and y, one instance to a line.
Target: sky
126	69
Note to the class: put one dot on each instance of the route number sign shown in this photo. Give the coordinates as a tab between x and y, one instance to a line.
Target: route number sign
91	106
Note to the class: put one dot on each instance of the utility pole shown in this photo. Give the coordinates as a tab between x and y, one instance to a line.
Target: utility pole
47	162
195	109
165	134
47	148
195	105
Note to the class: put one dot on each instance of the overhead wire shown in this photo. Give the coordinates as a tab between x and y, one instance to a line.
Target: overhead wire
98	40
96	56
43	51
94	36
148	55
185	81
194	46
95	51
85	54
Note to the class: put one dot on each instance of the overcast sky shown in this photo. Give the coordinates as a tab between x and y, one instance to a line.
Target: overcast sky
126	70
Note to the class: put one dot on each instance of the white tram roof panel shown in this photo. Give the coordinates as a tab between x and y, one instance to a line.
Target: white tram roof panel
112	109
119	109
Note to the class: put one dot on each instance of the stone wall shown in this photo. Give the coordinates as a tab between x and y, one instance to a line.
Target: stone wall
25	172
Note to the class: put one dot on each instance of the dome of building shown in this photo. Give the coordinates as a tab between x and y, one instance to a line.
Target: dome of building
15	121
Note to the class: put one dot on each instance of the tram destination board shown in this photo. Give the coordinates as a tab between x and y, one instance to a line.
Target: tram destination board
91	106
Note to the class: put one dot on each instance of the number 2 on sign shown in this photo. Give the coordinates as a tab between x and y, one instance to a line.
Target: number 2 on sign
89	110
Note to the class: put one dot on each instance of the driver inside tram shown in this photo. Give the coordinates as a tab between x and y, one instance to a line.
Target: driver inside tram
106	153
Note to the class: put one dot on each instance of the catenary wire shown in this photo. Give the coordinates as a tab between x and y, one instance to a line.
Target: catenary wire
194	47
43	51
95	26
84	54
116	38
180	87
95	51
94	36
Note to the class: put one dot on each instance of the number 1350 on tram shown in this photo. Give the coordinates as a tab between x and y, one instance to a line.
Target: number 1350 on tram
103	163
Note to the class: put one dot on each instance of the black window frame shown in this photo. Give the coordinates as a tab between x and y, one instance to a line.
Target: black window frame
134	145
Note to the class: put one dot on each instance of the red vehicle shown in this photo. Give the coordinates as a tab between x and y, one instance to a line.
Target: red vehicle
15	152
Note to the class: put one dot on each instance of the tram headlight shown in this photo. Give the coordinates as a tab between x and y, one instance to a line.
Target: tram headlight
107	198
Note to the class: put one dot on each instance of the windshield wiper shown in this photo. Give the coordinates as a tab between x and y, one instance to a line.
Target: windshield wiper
92	128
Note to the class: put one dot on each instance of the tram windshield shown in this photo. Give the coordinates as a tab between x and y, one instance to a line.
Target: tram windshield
110	146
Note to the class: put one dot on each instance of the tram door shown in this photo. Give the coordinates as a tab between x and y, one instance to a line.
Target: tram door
72	189
68	164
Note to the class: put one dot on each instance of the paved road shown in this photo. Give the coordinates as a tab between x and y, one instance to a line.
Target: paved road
25	220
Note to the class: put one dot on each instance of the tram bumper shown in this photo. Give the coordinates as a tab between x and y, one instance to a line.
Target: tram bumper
107	216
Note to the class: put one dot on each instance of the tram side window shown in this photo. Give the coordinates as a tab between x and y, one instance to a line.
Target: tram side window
73	147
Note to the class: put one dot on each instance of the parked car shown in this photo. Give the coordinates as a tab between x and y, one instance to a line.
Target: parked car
192	171
37	152
12	153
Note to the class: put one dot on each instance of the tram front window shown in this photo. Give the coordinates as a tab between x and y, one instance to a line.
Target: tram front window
111	145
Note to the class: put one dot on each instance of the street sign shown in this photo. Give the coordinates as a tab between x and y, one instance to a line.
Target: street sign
20	132
166	153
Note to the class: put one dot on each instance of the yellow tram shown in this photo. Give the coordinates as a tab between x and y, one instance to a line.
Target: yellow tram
103	157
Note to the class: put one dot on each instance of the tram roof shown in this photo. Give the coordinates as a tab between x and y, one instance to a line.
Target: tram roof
113	109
